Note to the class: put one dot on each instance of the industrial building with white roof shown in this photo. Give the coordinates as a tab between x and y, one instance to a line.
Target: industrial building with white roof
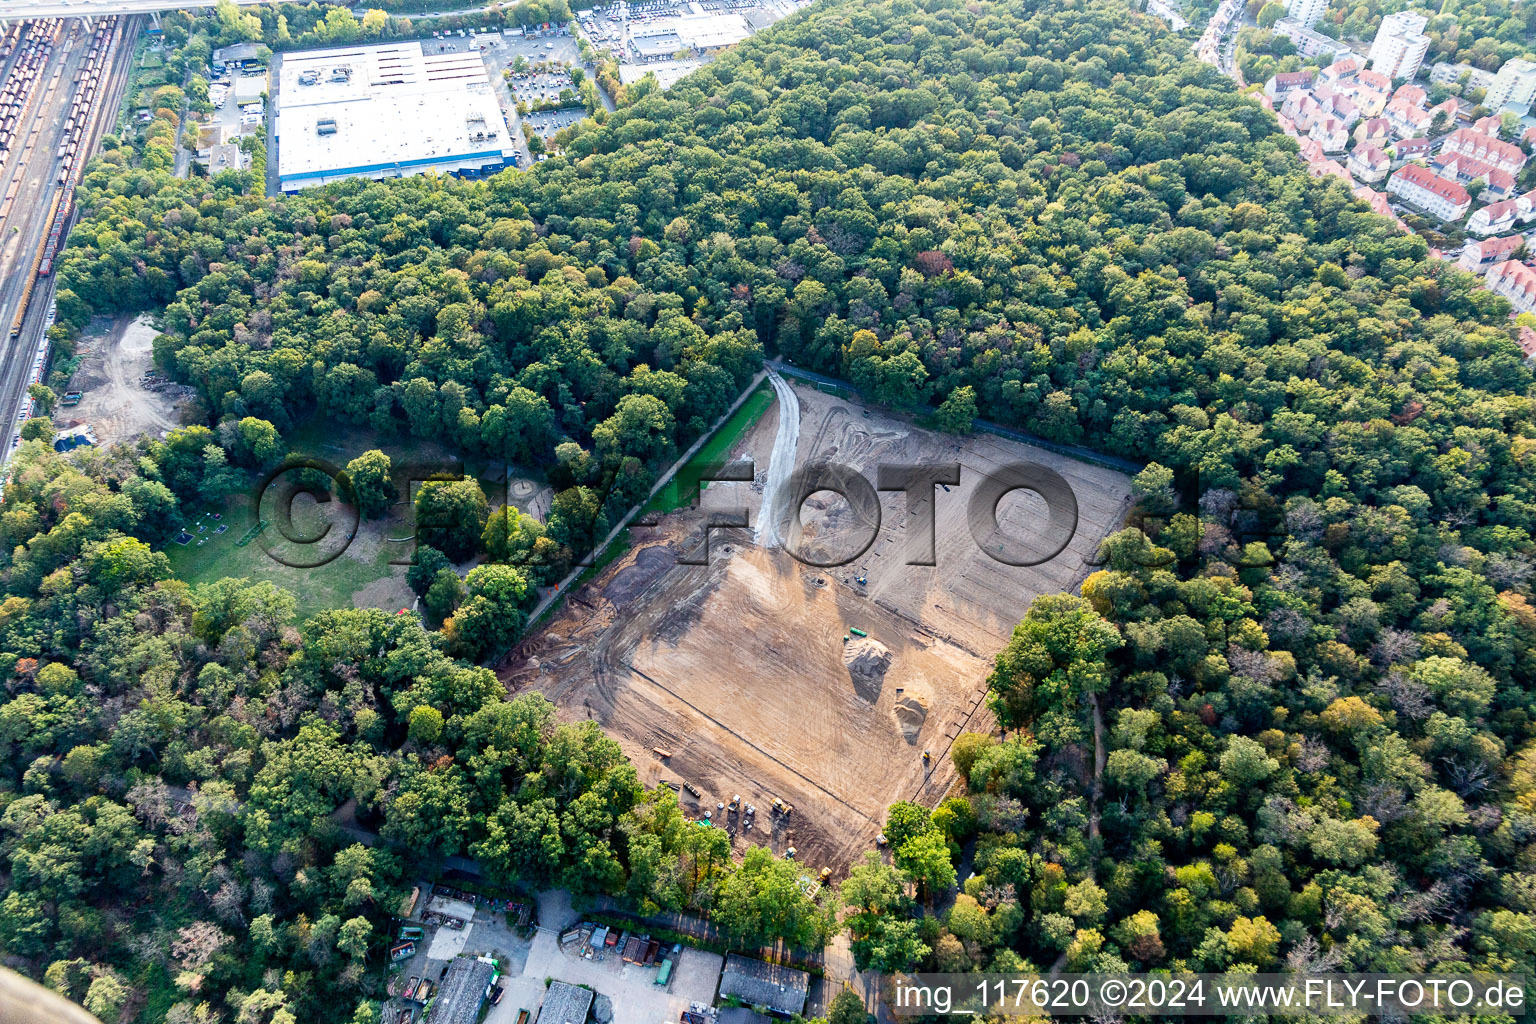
385	111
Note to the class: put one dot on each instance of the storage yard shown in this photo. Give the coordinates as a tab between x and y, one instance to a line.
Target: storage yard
121	395
818	689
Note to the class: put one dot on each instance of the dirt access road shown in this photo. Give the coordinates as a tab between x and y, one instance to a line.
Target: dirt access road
116	406
739	669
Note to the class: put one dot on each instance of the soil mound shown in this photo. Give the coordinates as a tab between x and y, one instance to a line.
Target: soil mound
867	661
910	714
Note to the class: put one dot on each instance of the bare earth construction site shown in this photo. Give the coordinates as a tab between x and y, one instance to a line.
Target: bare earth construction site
738	671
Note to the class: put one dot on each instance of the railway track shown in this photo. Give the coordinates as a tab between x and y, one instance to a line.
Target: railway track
63	82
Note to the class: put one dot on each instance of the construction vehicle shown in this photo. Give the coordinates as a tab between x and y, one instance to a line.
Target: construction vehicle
826	873
927	756
735	803
880	839
790	853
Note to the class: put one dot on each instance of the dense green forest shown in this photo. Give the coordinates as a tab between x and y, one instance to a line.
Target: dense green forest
1310	651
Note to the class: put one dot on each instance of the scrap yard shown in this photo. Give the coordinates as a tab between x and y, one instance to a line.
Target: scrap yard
790	703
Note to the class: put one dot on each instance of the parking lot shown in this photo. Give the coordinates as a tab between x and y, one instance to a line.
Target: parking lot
630	988
540	86
546	123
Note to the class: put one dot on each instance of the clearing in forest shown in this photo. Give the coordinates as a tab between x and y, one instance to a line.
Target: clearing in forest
738	670
369	571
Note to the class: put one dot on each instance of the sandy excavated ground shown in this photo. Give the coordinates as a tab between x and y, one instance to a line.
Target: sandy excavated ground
739	671
114	403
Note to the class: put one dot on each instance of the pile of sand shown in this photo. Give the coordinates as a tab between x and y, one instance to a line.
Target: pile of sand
867	661
910	713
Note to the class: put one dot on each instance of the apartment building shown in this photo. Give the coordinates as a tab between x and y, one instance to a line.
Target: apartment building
1482	253
1451	74
1429	192
1516	282
1514	87
1278	87
1500	218
1310	43
1308	12
1369	164
1400	45
1475	145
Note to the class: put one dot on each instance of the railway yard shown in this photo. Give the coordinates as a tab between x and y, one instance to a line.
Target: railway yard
61	81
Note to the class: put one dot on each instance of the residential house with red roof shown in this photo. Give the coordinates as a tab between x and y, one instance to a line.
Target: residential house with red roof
1482	253
1324	168
1371	102
1344	69
1342	107
1516	282
1503	217
1378	204
1282	85
1526	339
1369	164
1373	131
1330	133
1494	152
1375	80
1431	193
1500	186
1408	119
1411	149
1452	109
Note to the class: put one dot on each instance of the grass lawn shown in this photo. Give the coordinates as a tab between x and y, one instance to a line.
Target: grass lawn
680	490
361	574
